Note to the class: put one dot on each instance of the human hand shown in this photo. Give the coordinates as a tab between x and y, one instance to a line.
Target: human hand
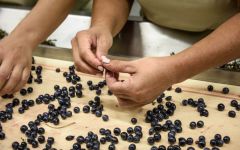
16	59
88	47
149	77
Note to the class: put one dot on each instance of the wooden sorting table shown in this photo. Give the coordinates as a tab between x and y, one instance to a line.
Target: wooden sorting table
217	122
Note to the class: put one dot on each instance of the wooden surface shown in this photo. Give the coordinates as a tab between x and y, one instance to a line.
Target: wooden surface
217	122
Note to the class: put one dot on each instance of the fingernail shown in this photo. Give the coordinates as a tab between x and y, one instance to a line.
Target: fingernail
105	60
100	68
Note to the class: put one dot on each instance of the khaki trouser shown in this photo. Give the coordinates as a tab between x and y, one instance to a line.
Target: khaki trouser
190	15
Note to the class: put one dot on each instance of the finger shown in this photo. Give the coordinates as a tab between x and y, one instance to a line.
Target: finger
128	103
118	87
84	67
13	81
103	45
5	71
86	52
80	64
120	66
110	77
112	74
75	50
24	79
114	85
76	58
122	96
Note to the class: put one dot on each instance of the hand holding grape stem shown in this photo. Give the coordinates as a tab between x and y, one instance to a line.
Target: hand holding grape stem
147	80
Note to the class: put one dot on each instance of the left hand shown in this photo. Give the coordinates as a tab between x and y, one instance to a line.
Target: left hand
88	47
149	77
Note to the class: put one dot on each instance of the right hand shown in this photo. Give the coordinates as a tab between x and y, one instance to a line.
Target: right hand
148	77
15	64
88	47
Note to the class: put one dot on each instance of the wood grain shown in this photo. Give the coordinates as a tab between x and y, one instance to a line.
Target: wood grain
80	124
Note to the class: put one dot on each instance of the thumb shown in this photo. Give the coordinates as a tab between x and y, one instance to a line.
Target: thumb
103	45
118	66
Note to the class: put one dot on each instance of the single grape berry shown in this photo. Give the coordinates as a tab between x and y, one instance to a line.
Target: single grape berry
105	118
184	102
210	88
23	128
41	139
76	109
134	120
221	107
232	114
189	141
69	137
23	92
15	145
50	140
2	136
178	90
29	89
234	103
162	147
193	125
132	147
58	70
226	139
86	109
150	140
225	90
200	124
117	131
218	137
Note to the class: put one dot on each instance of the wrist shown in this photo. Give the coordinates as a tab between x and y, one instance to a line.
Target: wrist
187	64
104	33
176	68
26	38
104	27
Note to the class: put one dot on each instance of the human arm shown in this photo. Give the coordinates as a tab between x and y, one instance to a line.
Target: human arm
219	47
16	49
151	76
108	17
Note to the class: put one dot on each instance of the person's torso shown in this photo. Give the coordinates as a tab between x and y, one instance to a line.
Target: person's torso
190	15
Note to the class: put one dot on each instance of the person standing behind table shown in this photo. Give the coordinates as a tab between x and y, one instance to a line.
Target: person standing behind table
152	75
16	48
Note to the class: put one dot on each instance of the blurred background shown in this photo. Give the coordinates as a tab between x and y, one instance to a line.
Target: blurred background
139	37
80	6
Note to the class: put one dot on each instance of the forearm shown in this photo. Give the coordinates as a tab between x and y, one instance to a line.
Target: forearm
110	14
44	18
221	46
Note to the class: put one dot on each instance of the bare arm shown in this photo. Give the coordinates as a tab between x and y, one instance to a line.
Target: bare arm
44	18
112	14
16	49
157	74
108	17
221	46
